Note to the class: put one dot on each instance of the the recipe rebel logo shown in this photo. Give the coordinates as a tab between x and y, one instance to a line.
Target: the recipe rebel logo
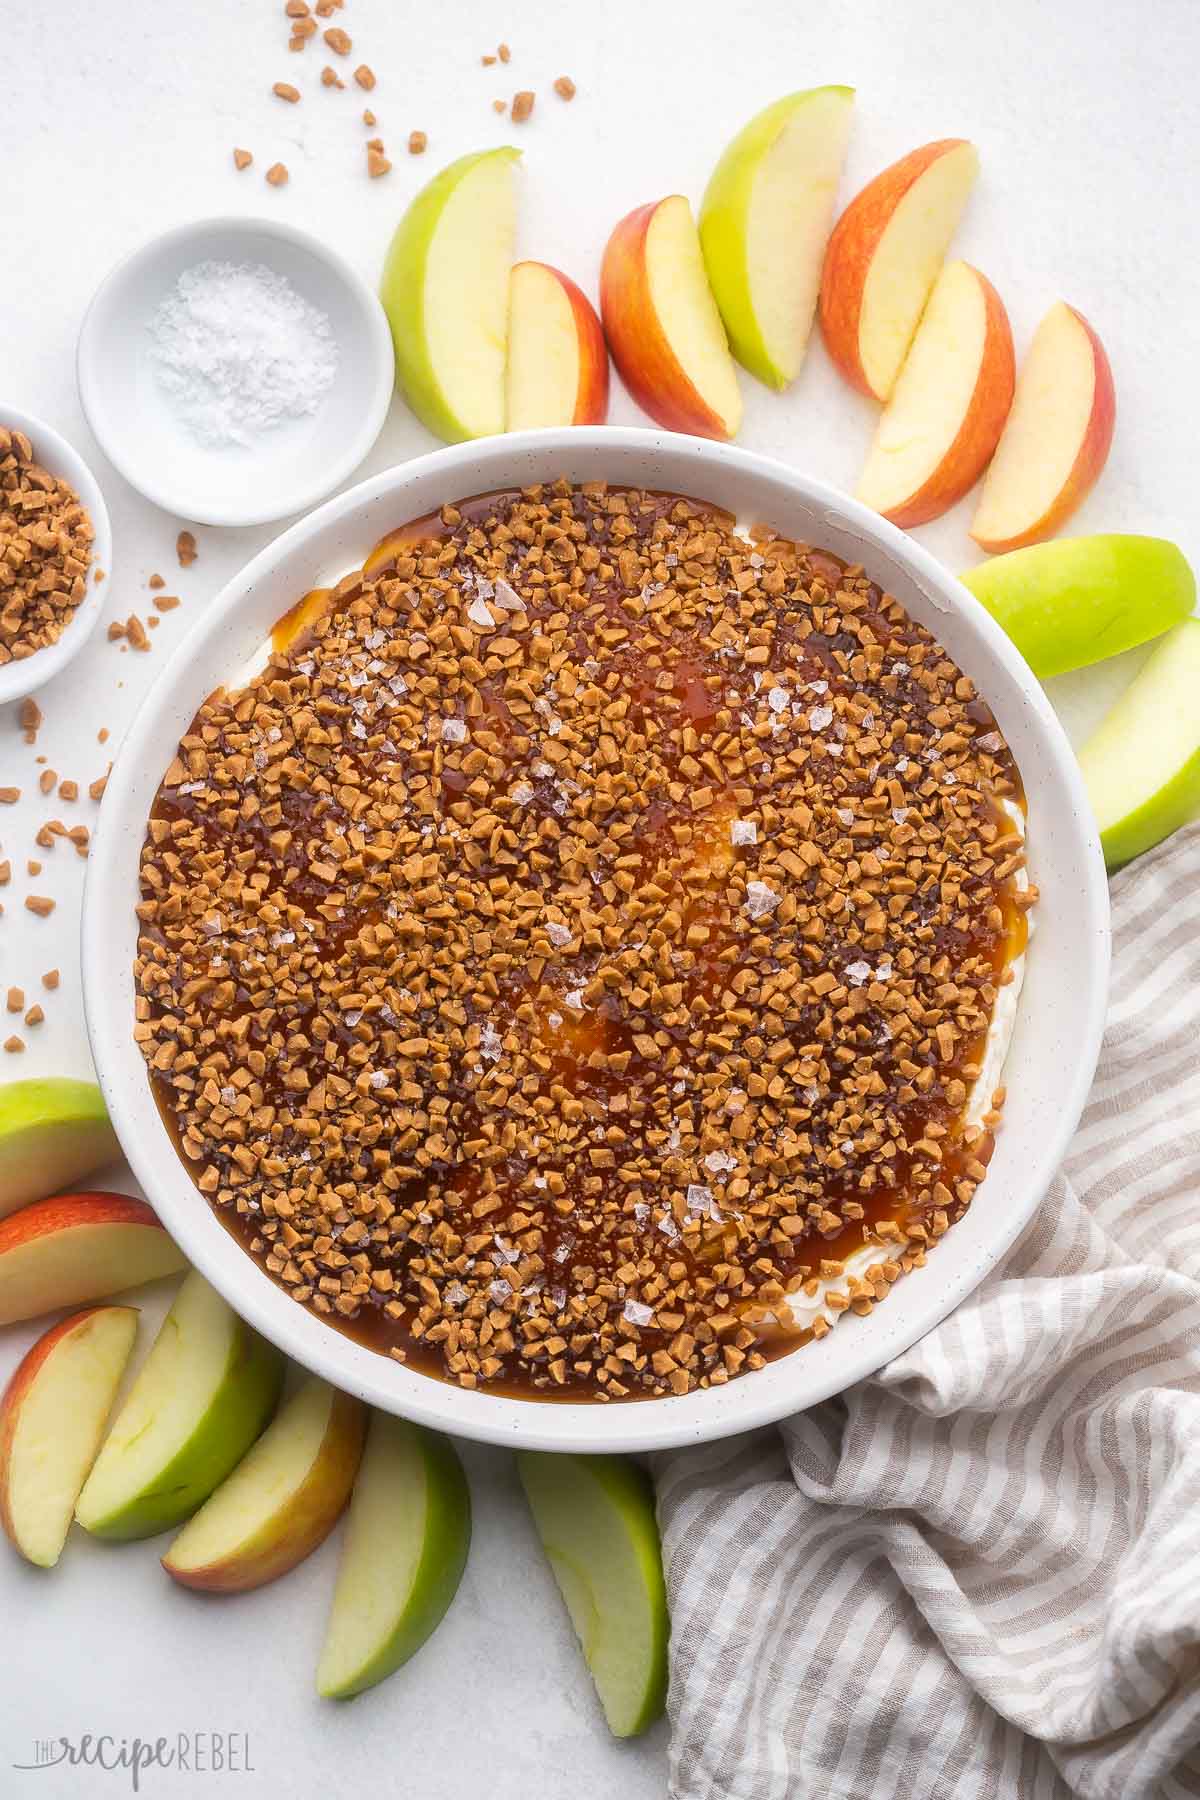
187	1753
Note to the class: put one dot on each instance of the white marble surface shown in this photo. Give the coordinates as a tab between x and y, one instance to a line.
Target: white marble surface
118	121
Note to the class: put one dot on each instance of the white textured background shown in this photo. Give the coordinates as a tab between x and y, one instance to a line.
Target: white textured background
117	121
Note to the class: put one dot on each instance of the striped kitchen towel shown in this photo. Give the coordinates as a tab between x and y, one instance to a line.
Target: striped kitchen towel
977	1575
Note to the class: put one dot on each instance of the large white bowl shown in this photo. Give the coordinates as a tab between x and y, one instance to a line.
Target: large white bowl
1058	1033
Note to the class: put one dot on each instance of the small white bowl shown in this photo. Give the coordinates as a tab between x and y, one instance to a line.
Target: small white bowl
1059	1023
288	468
57	457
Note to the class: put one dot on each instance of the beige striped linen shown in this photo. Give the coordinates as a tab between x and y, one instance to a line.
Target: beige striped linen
978	1574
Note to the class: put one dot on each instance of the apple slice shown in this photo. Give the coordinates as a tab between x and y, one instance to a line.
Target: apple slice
203	1395
79	1247
883	258
1057	438
1075	601
52	1134
595	1517
445	292
52	1418
662	322
407	1537
1142	764
764	222
557	357
937	433
282	1500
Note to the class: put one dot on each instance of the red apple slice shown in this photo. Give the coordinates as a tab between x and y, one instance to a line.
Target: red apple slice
662	323
1057	439
937	433
52	1418
281	1501
883	258
76	1248
557	370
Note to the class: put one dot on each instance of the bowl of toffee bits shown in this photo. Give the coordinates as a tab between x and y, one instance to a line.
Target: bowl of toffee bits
55	552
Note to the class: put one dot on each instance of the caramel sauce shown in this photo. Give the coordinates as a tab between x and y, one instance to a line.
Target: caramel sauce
703	689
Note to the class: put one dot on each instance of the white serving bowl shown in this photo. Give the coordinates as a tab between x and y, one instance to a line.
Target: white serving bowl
286	469
57	457
1058	1032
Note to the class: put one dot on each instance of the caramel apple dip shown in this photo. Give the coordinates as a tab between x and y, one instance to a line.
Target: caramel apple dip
579	962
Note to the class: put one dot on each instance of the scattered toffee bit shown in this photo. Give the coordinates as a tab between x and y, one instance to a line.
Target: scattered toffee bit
135	631
45	551
365	76
39	904
504	53
156	581
500	106
338	40
286	91
9	796
185	543
297	9
16	1000
116	631
331	78
369	118
377	162
565	88
277	174
102	735
50	979
5	873
34	1016
487	61
96	788
522	105
241	160
417	142
475	1015
33	867
29	718
14	1045
68	790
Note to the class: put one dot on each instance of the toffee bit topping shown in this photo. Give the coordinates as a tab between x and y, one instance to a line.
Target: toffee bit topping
45	552
544	999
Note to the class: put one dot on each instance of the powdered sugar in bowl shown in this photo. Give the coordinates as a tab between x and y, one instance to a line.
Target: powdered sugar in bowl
235	370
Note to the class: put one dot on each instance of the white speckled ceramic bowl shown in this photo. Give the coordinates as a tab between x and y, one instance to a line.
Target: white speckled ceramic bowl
58	458
1058	1032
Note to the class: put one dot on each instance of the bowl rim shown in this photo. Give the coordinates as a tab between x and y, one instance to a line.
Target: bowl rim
572	1426
331	471
19	679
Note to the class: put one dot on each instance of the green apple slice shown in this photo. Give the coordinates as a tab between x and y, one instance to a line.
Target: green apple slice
407	1537
445	292
595	1517
764	222
204	1394
1076	601
1142	764
52	1133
